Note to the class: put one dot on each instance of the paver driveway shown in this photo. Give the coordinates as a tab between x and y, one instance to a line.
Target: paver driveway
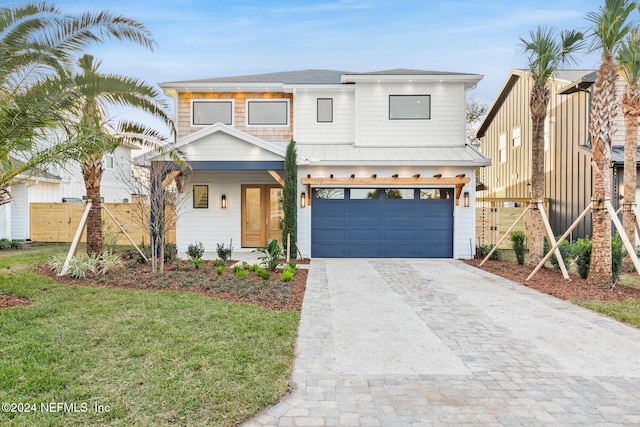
437	342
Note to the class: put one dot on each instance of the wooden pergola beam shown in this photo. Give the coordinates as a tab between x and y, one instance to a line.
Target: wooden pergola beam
458	181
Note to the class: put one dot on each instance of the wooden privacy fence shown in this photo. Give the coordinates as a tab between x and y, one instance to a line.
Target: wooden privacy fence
495	215
57	222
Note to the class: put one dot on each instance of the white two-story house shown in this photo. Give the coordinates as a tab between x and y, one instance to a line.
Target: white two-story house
383	167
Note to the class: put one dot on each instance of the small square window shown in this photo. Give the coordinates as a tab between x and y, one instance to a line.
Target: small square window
325	110
200	196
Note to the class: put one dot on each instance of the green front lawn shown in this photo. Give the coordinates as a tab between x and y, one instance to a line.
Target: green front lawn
150	358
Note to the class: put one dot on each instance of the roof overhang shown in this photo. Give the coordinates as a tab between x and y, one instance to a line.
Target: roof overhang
470	81
172	89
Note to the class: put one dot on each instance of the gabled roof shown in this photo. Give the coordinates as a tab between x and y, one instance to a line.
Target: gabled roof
286	77
278	149
574	78
318	77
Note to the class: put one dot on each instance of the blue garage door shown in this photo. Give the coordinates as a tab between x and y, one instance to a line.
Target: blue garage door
382	223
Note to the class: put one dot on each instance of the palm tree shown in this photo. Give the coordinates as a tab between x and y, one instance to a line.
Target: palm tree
98	92
610	26
37	92
628	60
545	54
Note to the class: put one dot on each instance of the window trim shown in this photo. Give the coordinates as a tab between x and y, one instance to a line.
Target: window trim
412	95
193	196
318	110
518	138
502	148
270	101
230	101
106	161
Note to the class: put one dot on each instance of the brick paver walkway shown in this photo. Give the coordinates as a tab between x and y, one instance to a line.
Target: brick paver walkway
436	342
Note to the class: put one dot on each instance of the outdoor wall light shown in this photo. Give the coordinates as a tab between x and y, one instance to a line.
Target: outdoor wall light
303	199
466	199
223	201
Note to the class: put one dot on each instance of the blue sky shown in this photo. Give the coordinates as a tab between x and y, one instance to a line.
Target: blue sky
213	38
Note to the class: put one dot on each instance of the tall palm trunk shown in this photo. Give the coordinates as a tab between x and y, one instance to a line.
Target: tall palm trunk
538	104
92	169
631	110
602	127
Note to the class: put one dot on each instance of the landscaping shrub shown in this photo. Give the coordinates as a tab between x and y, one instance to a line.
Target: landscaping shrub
483	251
565	251
10	244
517	243
617	254
224	253
219	263
196	262
273	255
262	273
195	250
582	250
287	275
241	272
219	270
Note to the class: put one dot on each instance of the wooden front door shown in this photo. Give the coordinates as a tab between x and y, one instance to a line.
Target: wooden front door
262	214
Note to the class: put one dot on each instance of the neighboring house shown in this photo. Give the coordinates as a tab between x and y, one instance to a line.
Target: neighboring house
62	184
505	135
383	167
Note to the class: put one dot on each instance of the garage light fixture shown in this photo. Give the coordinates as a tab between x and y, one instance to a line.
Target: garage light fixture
466	199
303	199
223	201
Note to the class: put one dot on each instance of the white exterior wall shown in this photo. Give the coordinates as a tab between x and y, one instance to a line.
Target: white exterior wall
19	212
5	221
444	128
307	130
464	218
214	225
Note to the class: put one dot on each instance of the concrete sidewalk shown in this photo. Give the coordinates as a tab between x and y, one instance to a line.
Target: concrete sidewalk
437	342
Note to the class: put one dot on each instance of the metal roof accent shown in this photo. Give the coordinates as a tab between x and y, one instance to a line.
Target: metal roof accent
350	154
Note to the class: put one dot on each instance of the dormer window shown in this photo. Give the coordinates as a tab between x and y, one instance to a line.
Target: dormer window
409	107
210	112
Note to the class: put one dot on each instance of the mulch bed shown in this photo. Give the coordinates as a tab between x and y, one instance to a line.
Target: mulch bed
551	282
271	293
7	301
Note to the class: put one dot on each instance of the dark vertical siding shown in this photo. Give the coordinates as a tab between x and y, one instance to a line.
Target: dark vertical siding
568	182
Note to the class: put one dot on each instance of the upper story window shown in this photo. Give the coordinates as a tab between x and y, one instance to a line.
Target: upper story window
516	140
325	110
209	112
108	161
409	107
268	112
502	148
